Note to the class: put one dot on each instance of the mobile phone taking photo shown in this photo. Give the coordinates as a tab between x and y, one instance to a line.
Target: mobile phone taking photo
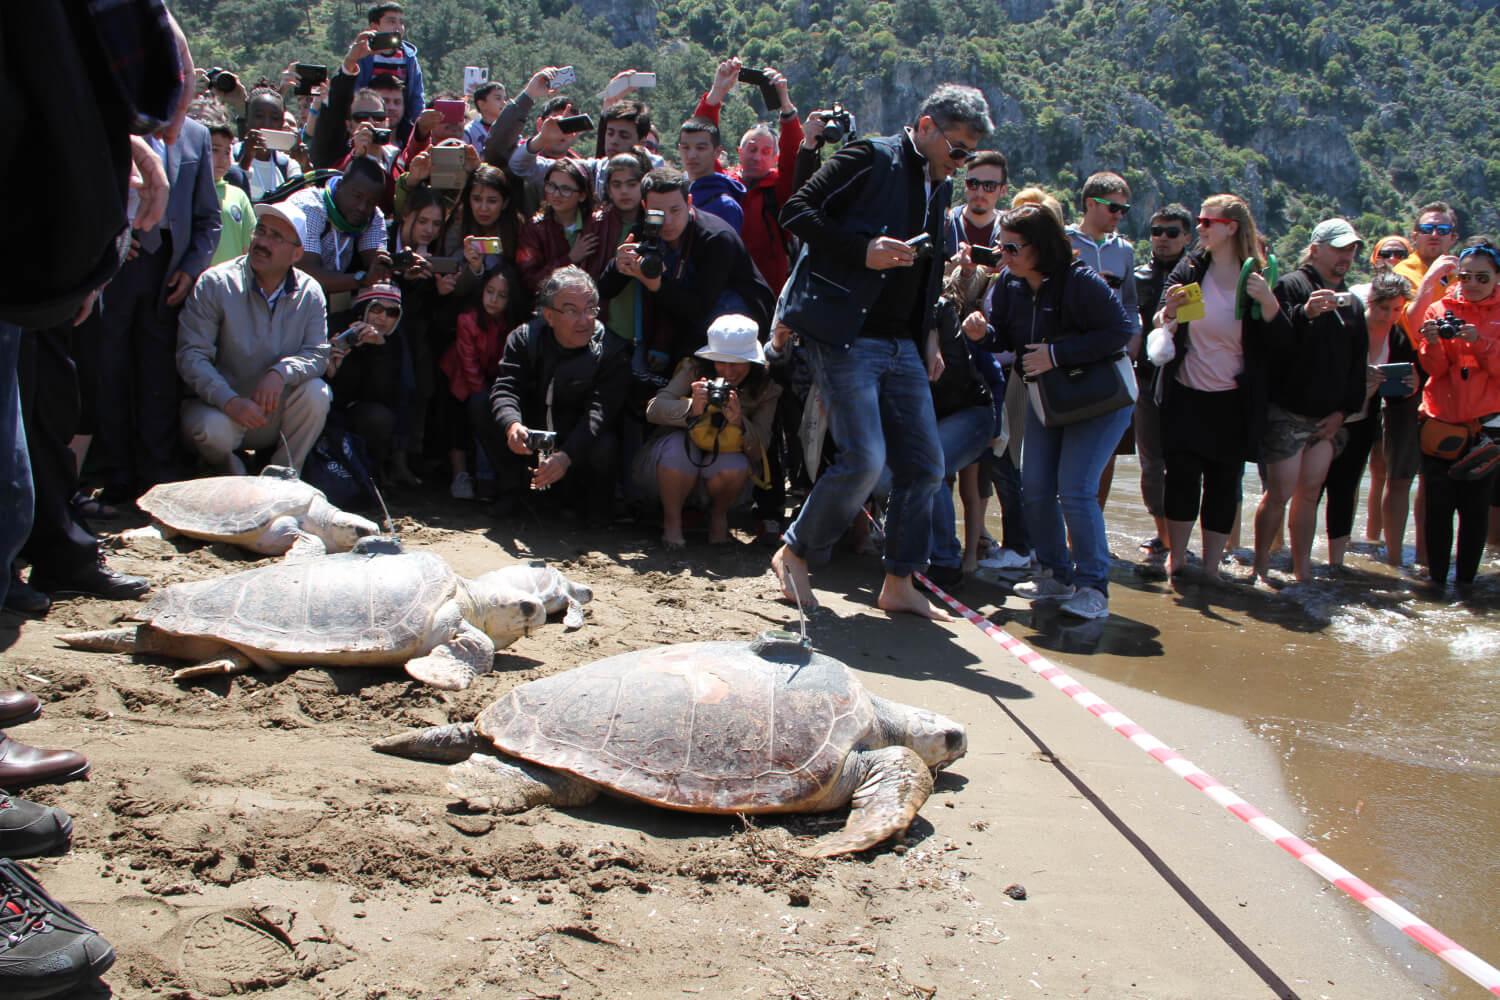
574	124
385	41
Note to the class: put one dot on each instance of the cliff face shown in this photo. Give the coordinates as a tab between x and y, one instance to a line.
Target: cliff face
631	22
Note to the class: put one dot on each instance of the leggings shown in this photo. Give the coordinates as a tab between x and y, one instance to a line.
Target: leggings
1203	432
1470	500
1346	472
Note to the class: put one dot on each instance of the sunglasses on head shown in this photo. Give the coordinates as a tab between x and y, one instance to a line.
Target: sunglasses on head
1392	253
975	184
1115	207
1441	228
1170	232
1209	220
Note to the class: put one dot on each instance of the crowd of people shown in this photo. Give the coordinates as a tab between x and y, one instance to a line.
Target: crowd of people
341	272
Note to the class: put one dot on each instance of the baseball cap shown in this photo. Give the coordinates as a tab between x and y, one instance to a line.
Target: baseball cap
287	211
1335	232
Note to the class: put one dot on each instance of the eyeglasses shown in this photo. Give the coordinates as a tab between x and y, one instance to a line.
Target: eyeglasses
369	116
975	184
1012	249
561	190
957	153
572	314
1170	232
1207	221
1478	277
392	311
1391	253
1441	228
1115	207
264	232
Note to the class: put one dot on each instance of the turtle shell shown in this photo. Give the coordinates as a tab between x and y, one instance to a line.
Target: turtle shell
709	727
347	608
226	507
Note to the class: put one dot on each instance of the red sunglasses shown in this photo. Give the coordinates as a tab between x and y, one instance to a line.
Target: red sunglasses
1209	220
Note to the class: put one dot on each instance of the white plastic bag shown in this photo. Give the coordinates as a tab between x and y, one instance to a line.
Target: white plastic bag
1161	349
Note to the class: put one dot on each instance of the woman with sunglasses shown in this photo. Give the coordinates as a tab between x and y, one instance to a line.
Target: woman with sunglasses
364	371
558	234
1459	347
1053	310
1211	382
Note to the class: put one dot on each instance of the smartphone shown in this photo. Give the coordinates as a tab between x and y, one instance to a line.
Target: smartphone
309	75
573	124
473	77
348	337
277	139
563	76
759	79
486	244
385	41
452	111
445	265
448	173
988	256
1191	308
754	76
1395	379
640	81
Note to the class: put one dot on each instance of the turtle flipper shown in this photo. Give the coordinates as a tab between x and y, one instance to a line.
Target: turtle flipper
509	785
445	744
106	640
305	547
453	665
893	784
573	620
229	663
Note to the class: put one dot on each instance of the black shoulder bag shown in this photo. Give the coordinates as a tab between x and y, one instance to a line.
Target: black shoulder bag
1070	394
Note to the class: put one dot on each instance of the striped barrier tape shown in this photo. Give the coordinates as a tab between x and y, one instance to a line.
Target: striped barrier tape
1404	920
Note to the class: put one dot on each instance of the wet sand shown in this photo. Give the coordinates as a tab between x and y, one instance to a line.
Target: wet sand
239	836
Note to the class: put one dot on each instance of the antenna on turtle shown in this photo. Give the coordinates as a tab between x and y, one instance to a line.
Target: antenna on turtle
801	615
386	524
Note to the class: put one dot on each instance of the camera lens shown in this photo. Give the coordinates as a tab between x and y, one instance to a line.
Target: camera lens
651	265
833	132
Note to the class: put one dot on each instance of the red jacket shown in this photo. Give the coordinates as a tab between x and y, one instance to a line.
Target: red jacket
473	361
762	232
1463	379
606	225
542	248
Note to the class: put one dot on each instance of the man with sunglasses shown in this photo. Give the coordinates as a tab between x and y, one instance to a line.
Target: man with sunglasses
863	305
252	345
1433	235
1171	232
976	222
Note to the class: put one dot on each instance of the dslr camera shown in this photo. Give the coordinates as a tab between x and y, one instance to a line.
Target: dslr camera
718	392
648	243
838	125
222	80
1449	326
543	443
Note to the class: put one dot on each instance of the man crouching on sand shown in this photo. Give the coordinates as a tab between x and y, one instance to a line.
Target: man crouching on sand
862	307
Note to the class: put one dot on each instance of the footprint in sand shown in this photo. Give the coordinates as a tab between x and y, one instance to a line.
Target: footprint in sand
232	951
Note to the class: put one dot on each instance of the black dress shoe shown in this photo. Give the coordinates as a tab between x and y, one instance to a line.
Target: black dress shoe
23	765
26	600
94	581
30	829
45	949
17	707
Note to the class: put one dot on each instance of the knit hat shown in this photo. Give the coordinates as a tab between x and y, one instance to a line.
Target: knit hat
378	293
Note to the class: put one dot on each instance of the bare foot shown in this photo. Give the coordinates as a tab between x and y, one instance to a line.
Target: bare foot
791	573
718	529
671	542
900	595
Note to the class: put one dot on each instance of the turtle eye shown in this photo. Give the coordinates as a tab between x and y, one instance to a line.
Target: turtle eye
530	609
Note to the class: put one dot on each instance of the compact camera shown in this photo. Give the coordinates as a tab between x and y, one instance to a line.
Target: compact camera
718	392
543	443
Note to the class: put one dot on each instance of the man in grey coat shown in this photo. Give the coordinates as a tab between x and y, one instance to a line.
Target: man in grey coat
252	345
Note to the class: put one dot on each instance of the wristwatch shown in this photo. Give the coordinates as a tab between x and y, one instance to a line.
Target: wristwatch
789	114
359	276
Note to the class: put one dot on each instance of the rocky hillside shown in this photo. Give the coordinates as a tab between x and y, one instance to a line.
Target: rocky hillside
1306	110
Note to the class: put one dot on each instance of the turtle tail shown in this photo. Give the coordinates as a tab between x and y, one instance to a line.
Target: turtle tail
444	744
108	640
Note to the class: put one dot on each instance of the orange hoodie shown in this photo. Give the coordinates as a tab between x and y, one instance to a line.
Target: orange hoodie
1464	378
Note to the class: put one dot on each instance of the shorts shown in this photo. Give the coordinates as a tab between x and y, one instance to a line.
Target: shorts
1289	434
1402	444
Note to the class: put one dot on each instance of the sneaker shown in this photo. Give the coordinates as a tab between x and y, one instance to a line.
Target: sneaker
1006	559
45	949
1043	588
988	548
462	487
1087	603
28	829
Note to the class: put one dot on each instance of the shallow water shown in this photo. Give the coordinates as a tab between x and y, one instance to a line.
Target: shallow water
1380	703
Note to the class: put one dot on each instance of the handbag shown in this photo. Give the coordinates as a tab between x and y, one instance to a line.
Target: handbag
1070	394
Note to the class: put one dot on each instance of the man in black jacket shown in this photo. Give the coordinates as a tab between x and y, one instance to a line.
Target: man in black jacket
1171	232
862	297
564	373
1316	380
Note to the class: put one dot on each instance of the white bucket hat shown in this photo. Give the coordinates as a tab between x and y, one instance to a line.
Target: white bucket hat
734	338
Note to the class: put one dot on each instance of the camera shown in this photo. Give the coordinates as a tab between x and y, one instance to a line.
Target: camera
921	246
400	262
381	136
1449	326
838	125
222	80
543	443
648	243
718	392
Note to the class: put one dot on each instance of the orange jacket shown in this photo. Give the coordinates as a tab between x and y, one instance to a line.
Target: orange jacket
1463	379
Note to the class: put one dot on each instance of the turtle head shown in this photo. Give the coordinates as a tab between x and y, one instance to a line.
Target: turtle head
345	529
501	611
937	739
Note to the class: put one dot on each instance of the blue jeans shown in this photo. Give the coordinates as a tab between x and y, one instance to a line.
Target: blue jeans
16	507
879	412
1060	470
966	435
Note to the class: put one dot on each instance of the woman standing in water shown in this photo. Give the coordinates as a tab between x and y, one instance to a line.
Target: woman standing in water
1211	385
1459	347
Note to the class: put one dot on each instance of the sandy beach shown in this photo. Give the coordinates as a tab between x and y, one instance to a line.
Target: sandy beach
239	836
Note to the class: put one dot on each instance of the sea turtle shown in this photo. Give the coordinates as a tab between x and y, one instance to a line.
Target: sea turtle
549	586
767	726
354	609
274	513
